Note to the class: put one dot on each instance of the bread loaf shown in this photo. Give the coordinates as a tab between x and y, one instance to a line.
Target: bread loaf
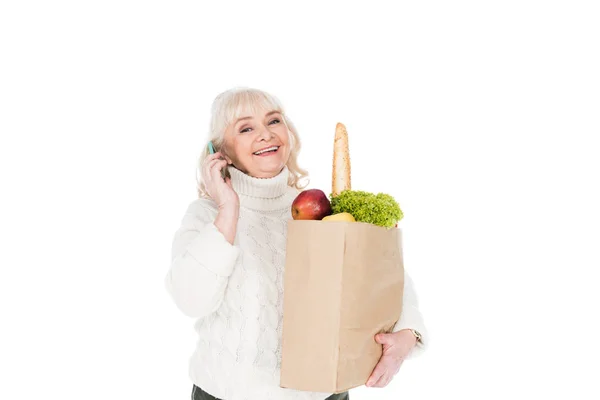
341	161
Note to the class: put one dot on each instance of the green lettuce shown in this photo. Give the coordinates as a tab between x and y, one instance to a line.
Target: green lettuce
379	209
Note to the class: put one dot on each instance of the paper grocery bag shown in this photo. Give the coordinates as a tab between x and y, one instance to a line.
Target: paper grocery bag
343	284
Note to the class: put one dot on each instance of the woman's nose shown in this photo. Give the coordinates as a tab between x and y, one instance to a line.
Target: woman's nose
265	133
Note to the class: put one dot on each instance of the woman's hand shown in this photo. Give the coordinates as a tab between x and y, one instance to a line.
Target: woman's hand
396	347
221	191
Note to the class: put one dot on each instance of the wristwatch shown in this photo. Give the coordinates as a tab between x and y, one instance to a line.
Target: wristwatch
417	335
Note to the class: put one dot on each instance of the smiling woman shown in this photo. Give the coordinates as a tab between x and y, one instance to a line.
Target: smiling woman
258	144
222	272
228	257
246	127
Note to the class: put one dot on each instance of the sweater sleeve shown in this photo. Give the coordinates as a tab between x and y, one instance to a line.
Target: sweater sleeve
201	262
411	317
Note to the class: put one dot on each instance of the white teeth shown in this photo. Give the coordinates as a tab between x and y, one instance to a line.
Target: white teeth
265	150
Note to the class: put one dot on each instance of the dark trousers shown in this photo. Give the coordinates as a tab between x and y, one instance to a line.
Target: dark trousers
199	394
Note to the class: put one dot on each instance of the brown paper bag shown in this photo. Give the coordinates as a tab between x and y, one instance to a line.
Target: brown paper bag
343	284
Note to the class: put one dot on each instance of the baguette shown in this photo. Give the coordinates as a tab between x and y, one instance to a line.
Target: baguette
340	179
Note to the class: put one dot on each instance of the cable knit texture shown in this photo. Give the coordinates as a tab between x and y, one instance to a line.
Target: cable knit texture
235	292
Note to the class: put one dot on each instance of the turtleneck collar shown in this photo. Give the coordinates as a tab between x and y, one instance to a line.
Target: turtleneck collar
265	194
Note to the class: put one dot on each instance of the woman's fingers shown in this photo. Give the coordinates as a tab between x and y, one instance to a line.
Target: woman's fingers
209	162
219	189
212	164
383	380
207	172
215	170
376	375
211	157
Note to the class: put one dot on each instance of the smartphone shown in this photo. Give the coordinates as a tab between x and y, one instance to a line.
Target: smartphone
224	171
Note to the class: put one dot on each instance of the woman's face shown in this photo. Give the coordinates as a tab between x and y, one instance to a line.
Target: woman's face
258	144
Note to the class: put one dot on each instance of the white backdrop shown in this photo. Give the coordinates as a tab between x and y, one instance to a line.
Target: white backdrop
479	117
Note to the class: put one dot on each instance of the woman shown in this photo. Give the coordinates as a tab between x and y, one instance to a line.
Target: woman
229	253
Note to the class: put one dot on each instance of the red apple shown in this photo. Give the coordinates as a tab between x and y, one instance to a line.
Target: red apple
311	204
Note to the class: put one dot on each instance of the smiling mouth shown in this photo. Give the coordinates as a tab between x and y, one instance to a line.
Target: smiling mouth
269	150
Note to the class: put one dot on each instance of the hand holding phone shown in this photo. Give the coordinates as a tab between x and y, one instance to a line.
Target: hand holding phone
224	172
217	183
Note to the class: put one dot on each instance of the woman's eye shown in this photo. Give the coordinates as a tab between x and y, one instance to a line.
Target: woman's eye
245	130
274	121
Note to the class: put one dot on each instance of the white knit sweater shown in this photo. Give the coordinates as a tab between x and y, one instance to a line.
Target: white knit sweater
235	293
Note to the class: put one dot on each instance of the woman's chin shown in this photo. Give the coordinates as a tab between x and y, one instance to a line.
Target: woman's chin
266	167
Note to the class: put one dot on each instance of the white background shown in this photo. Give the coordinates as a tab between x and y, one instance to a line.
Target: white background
481	118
